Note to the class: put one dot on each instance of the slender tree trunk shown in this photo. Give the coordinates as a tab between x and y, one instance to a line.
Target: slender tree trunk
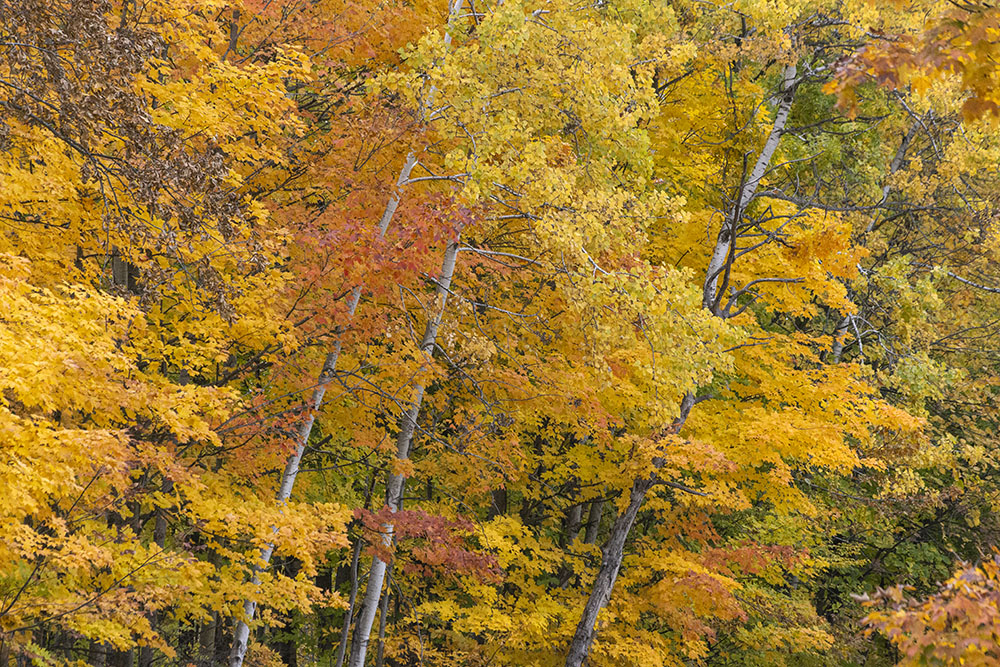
242	630
838	339
394	486
382	614
286	643
146	653
241	633
498	503
720	261
897	162
726	239
594	520
206	641
574	516
611	561
352	576
345	630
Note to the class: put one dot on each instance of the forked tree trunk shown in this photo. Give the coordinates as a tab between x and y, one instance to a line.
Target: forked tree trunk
394	485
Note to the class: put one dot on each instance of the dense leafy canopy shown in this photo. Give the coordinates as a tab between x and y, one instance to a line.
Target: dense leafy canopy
534	332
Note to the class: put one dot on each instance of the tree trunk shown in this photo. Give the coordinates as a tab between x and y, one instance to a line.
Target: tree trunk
349	615
286	639
574	515
241	632
611	561
121	658
145	656
498	503
98	654
897	162
594	520
206	641
727	235
394	486
838	339
382	613
146	653
712	292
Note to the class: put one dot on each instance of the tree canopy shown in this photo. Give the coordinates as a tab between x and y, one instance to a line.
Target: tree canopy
499	332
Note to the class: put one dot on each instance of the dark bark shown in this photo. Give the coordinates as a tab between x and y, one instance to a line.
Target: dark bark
594	520
498	503
206	641
611	561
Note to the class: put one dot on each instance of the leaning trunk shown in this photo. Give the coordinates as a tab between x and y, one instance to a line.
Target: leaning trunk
611	561
725	242
241	634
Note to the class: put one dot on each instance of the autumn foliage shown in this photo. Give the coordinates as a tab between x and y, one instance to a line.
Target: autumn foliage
498	333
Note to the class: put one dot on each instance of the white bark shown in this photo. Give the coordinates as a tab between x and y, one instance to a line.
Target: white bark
394	485
724	242
611	562
241	634
613	552
349	615
242	631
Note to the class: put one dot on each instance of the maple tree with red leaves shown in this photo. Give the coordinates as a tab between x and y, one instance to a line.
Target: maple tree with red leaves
453	332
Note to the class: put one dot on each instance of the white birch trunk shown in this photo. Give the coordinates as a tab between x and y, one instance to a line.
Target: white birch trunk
345	629
394	485
614	548
611	562
725	240
613	553
241	633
